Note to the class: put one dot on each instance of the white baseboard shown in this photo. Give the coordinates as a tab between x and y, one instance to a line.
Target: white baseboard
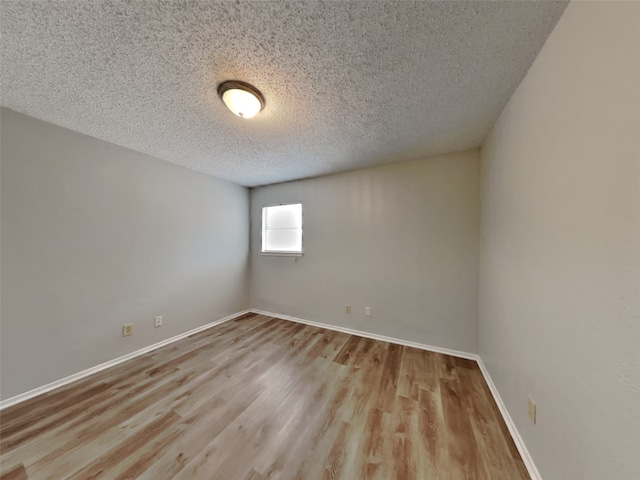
374	336
77	376
524	453
517	439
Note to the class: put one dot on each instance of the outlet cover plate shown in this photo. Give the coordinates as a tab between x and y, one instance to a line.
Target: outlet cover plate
127	329
532	411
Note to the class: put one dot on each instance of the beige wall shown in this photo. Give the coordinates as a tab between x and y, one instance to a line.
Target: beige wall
401	238
560	247
95	236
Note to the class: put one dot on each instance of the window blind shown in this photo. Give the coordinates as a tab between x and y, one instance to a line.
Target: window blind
282	228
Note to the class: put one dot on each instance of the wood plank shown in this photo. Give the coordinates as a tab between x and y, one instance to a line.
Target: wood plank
16	473
462	447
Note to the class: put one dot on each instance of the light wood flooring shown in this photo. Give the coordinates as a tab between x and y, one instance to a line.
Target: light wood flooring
261	398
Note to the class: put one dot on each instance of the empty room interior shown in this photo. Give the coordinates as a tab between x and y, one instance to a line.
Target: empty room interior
250	240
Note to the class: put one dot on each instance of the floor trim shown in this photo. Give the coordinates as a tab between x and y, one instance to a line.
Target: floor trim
517	439
524	452
77	376
374	336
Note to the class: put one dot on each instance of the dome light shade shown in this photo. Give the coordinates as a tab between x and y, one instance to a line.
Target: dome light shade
242	99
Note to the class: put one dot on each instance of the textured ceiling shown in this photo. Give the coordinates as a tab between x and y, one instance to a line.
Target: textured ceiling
348	84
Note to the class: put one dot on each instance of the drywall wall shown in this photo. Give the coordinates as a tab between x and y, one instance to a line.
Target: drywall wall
95	236
400	238
560	247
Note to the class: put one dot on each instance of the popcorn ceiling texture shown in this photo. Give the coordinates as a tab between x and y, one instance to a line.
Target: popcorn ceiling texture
347	84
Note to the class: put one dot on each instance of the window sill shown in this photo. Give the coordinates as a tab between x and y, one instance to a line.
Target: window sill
281	254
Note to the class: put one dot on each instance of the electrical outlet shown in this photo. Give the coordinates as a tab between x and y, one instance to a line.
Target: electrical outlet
532	411
347	309
127	329
158	322
367	311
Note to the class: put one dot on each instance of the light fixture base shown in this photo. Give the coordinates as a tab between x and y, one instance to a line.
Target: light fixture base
243	86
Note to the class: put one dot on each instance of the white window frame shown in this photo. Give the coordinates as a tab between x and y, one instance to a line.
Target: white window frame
276	253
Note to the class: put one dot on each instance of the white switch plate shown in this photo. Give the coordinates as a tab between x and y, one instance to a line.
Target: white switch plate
367	311
158	321
127	329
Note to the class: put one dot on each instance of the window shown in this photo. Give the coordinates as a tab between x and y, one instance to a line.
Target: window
282	229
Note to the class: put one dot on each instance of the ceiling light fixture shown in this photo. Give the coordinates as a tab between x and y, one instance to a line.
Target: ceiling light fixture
241	98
